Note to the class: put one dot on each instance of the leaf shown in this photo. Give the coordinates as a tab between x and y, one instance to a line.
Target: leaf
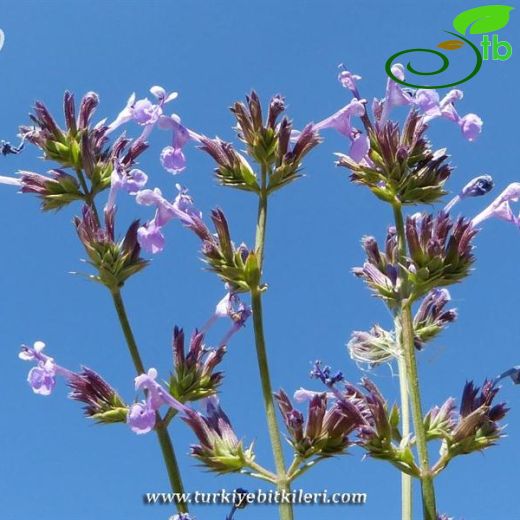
450	45
484	19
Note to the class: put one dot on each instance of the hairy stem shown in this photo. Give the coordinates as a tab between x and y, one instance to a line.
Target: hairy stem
283	485
408	349
161	429
406	480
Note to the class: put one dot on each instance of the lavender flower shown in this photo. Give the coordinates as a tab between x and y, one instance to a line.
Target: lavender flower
130	181
172	157
349	80
470	124
143	112
341	120
150	235
500	207
395	95
42	377
230	306
476	187
142	415
429	103
219	448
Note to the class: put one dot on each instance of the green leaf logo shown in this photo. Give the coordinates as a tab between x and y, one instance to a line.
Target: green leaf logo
484	19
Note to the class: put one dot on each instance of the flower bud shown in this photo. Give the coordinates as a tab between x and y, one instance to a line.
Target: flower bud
219	448
194	377
103	404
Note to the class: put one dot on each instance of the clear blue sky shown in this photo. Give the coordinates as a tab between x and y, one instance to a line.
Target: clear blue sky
57	465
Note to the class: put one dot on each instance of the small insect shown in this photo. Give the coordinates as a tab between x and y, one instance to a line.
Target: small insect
6	148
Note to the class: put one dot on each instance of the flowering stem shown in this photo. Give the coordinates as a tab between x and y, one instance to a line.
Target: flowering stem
89	199
286	512
408	349
406	480
168	453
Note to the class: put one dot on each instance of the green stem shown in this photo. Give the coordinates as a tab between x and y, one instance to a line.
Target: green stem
283	484
406	480
89	197
408	349
168	453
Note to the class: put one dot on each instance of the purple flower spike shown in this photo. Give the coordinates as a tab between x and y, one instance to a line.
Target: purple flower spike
500	207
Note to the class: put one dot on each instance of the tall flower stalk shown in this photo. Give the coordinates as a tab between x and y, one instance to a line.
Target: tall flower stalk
161	426
421	255
82	148
283	484
409	381
268	144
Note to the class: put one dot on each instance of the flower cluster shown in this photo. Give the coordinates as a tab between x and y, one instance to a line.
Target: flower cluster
268	143
474	428
327	429
380	271
114	261
432	316
194	376
219	450
441	250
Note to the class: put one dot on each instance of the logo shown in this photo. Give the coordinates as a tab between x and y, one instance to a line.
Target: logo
480	20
